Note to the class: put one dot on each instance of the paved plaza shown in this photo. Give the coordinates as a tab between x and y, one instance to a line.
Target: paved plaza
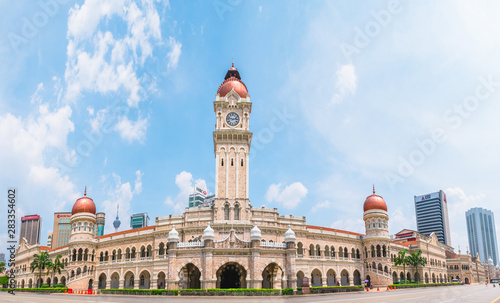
471	293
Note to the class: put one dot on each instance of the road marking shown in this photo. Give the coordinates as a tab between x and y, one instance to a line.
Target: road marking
495	300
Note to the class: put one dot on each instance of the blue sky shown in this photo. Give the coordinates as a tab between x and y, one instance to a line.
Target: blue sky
117	96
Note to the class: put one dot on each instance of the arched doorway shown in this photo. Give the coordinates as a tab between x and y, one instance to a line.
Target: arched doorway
331	278
344	277
433	278
102	281
316	278
55	281
231	275
63	280
129	280
368	280
394	277
426	278
30	283
48	282
189	277
115	281
401	277
300	278
356	277
90	284
271	277
144	280
161	280
466	280
22	284
408	277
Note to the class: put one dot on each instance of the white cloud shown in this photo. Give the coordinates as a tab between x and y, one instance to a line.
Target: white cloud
321	205
132	131
289	197
90	110
28	147
36	98
99	61
121	194
185	183
346	83
98	120
174	54
354	225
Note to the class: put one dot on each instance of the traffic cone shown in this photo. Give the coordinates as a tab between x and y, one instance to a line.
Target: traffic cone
378	288
388	287
65	291
368	289
394	287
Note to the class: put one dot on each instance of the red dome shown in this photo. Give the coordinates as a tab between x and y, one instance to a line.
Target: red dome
84	205
232	80
374	202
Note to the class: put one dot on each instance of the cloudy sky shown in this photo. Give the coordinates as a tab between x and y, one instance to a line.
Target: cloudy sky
116	95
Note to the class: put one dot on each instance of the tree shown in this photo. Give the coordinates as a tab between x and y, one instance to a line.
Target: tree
41	261
416	259
55	266
2	267
402	259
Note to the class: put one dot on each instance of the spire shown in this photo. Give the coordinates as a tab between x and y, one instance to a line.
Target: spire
373	188
232	65
85	193
117	223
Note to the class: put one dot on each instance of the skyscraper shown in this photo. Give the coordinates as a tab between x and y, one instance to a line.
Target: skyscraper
432	216
139	220
482	234
100	223
61	229
30	229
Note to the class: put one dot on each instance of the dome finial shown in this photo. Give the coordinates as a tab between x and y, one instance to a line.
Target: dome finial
373	188
85	193
232	65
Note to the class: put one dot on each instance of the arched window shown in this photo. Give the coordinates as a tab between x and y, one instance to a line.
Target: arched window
142	280
236	211
241	162
318	250
222	162
379	254
226	212
232	163
311	250
341	252
333	251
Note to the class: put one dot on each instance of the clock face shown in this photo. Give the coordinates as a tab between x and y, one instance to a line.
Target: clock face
232	119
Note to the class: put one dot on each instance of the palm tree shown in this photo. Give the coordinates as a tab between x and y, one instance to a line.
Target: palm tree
402	259
415	259
55	266
41	261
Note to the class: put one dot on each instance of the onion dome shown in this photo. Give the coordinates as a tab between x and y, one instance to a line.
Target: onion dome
84	205
490	261
173	235
374	202
290	235
255	233
208	233
232	80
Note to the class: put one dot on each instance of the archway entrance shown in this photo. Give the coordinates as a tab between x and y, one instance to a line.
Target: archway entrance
90	284
102	281
316	280
144	279
115	281
161	280
300	278
426	278
466	280
231	275
190	277
357	278
330	278
394	277
368	280
344	277
271	277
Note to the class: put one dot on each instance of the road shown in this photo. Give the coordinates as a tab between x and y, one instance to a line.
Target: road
470	293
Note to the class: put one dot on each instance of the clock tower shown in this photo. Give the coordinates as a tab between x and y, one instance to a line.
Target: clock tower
232	138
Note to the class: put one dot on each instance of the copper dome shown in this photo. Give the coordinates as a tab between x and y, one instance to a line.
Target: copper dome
374	202
84	205
232	80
